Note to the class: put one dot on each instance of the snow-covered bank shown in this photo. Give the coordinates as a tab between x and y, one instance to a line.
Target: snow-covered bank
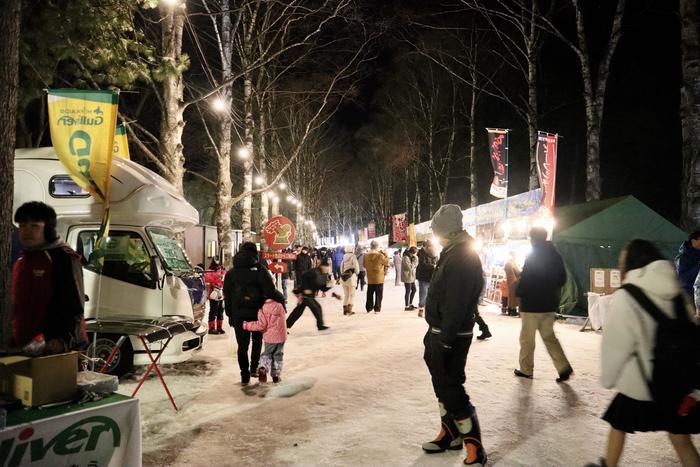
359	394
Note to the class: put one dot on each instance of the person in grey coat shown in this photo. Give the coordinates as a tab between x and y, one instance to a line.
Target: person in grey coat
409	263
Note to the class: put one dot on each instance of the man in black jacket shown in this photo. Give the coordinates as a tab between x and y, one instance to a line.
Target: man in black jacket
451	304
540	282
246	287
312	281
301	265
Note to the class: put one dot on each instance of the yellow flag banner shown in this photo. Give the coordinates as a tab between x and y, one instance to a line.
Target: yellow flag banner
121	144
83	124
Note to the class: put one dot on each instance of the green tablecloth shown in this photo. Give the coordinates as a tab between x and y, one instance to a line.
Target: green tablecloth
32	414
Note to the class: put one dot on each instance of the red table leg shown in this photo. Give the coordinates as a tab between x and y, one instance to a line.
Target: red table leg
113	353
154	365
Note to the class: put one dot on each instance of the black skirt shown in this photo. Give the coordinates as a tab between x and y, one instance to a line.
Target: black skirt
631	415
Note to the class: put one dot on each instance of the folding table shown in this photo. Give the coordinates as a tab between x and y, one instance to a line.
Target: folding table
148	330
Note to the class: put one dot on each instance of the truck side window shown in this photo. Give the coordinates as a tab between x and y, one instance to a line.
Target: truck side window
123	256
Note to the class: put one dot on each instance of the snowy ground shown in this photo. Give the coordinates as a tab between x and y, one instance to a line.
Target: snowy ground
359	394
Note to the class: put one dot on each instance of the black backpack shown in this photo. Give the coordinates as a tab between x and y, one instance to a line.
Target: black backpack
247	294
676	354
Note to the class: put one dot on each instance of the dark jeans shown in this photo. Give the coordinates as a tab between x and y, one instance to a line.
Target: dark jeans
336	271
410	292
361	280
374	303
243	338
313	305
216	310
446	367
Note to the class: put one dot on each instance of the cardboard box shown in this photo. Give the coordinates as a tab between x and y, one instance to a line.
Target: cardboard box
605	281
40	380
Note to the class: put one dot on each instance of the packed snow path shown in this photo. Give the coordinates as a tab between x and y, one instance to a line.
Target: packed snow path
359	394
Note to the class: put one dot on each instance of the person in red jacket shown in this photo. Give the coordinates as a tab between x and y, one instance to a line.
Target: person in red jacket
47	285
214	279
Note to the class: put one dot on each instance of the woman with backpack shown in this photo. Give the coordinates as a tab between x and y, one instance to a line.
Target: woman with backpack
633	355
349	269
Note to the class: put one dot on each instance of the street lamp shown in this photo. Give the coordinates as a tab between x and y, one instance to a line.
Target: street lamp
219	105
243	152
283	186
259	180
290	199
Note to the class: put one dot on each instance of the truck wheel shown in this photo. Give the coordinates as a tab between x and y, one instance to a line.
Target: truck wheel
123	360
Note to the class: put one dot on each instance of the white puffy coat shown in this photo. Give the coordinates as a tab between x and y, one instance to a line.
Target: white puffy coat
629	329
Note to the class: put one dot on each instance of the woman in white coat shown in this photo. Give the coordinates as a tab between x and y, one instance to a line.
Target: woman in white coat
627	355
349	269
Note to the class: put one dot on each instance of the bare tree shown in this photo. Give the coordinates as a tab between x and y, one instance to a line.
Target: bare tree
9	69
690	114
595	80
517	25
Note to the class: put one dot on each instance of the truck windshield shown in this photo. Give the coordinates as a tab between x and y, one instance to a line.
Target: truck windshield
169	250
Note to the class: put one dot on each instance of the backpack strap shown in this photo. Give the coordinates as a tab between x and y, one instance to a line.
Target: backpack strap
645	303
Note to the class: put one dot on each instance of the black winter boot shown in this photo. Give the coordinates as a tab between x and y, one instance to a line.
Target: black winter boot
485	334
471	436
448	438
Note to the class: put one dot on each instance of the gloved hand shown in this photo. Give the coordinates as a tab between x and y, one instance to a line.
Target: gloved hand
336	296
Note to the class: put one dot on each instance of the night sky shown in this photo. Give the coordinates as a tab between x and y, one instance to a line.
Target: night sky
640	146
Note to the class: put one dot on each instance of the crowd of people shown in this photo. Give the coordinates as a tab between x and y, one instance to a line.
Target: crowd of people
650	346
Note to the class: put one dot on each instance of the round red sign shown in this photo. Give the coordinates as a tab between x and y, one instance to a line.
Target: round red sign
279	232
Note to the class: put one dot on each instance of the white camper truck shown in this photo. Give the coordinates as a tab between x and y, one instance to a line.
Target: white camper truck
146	274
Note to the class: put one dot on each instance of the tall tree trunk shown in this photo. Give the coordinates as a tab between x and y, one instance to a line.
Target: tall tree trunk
532	118
9	84
532	43
262	168
172	122
690	114
594	94
246	217
472	150
224	185
417	215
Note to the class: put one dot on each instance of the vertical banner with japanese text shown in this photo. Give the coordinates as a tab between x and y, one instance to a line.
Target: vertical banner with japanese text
399	227
372	230
547	166
412	235
498	151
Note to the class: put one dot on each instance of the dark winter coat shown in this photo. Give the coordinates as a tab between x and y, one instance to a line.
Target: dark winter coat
426	265
302	264
247	285
312	281
541	280
687	266
454	291
48	296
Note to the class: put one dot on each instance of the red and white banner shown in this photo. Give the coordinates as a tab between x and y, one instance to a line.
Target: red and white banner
399	226
372	230
279	268
498	151
547	166
274	255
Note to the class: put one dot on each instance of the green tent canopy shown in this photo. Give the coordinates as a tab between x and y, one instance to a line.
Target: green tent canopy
591	235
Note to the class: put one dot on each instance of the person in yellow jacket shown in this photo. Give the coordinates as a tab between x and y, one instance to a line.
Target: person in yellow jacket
376	262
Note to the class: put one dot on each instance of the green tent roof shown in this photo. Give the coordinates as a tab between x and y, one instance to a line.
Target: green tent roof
614	222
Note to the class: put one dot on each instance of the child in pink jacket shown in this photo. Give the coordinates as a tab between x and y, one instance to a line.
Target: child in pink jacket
272	323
